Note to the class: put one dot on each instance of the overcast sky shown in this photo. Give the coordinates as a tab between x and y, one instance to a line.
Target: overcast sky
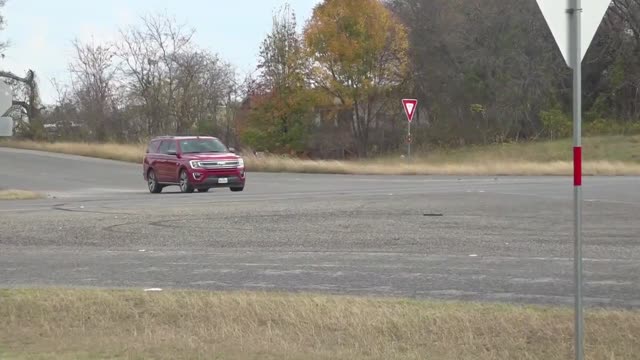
41	31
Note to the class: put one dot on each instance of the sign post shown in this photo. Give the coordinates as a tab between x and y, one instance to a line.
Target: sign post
409	142
410	106
575	11
573	27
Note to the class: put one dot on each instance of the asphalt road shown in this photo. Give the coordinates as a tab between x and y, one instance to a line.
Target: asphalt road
474	238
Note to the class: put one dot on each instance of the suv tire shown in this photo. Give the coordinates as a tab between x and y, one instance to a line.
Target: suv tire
237	189
152	182
185	183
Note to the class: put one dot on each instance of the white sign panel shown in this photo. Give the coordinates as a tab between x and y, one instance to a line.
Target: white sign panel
556	13
6	126
6	97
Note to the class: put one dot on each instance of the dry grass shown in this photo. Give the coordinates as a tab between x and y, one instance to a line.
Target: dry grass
421	167
121	152
19	195
609	155
90	324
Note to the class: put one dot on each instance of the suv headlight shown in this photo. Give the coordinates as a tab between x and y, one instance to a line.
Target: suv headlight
240	162
195	164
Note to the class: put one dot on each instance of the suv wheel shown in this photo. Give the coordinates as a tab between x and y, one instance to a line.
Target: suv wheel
185	184
237	189
152	182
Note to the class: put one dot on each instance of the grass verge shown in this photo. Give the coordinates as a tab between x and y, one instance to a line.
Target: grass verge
91	324
19	195
606	155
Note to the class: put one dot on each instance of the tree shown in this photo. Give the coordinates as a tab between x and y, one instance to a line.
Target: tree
3	44
281	59
149	55
64	115
175	87
615	77
93	73
480	54
360	54
204	84
281	119
333	89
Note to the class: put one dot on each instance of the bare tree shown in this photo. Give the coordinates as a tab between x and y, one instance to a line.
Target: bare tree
203	84
150	66
93	73
3	44
623	92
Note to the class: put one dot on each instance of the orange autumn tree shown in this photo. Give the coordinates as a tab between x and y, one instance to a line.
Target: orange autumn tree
360	55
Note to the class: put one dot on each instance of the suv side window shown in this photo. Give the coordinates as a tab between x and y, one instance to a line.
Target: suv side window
164	147
172	146
153	147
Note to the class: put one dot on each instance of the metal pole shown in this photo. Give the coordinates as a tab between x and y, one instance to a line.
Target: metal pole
409	139
576	27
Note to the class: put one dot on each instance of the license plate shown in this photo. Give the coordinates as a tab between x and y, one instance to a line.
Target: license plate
223	181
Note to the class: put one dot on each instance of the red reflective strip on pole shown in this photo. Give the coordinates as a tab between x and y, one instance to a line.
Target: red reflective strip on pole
577	166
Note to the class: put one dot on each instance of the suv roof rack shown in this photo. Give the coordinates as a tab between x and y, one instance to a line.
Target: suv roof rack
165	137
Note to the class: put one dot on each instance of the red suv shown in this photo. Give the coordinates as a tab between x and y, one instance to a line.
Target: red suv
192	163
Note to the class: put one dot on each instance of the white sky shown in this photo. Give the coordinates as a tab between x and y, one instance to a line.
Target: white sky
41	31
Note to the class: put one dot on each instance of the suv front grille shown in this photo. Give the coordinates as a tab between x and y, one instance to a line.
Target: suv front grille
222	164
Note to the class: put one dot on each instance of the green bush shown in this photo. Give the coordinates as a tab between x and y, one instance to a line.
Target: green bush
556	123
610	127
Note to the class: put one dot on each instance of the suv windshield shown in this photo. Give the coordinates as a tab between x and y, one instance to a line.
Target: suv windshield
197	146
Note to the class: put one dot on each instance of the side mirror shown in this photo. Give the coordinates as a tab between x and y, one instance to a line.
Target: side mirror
233	150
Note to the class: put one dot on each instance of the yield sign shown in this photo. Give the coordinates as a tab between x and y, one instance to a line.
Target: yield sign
557	15
410	106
